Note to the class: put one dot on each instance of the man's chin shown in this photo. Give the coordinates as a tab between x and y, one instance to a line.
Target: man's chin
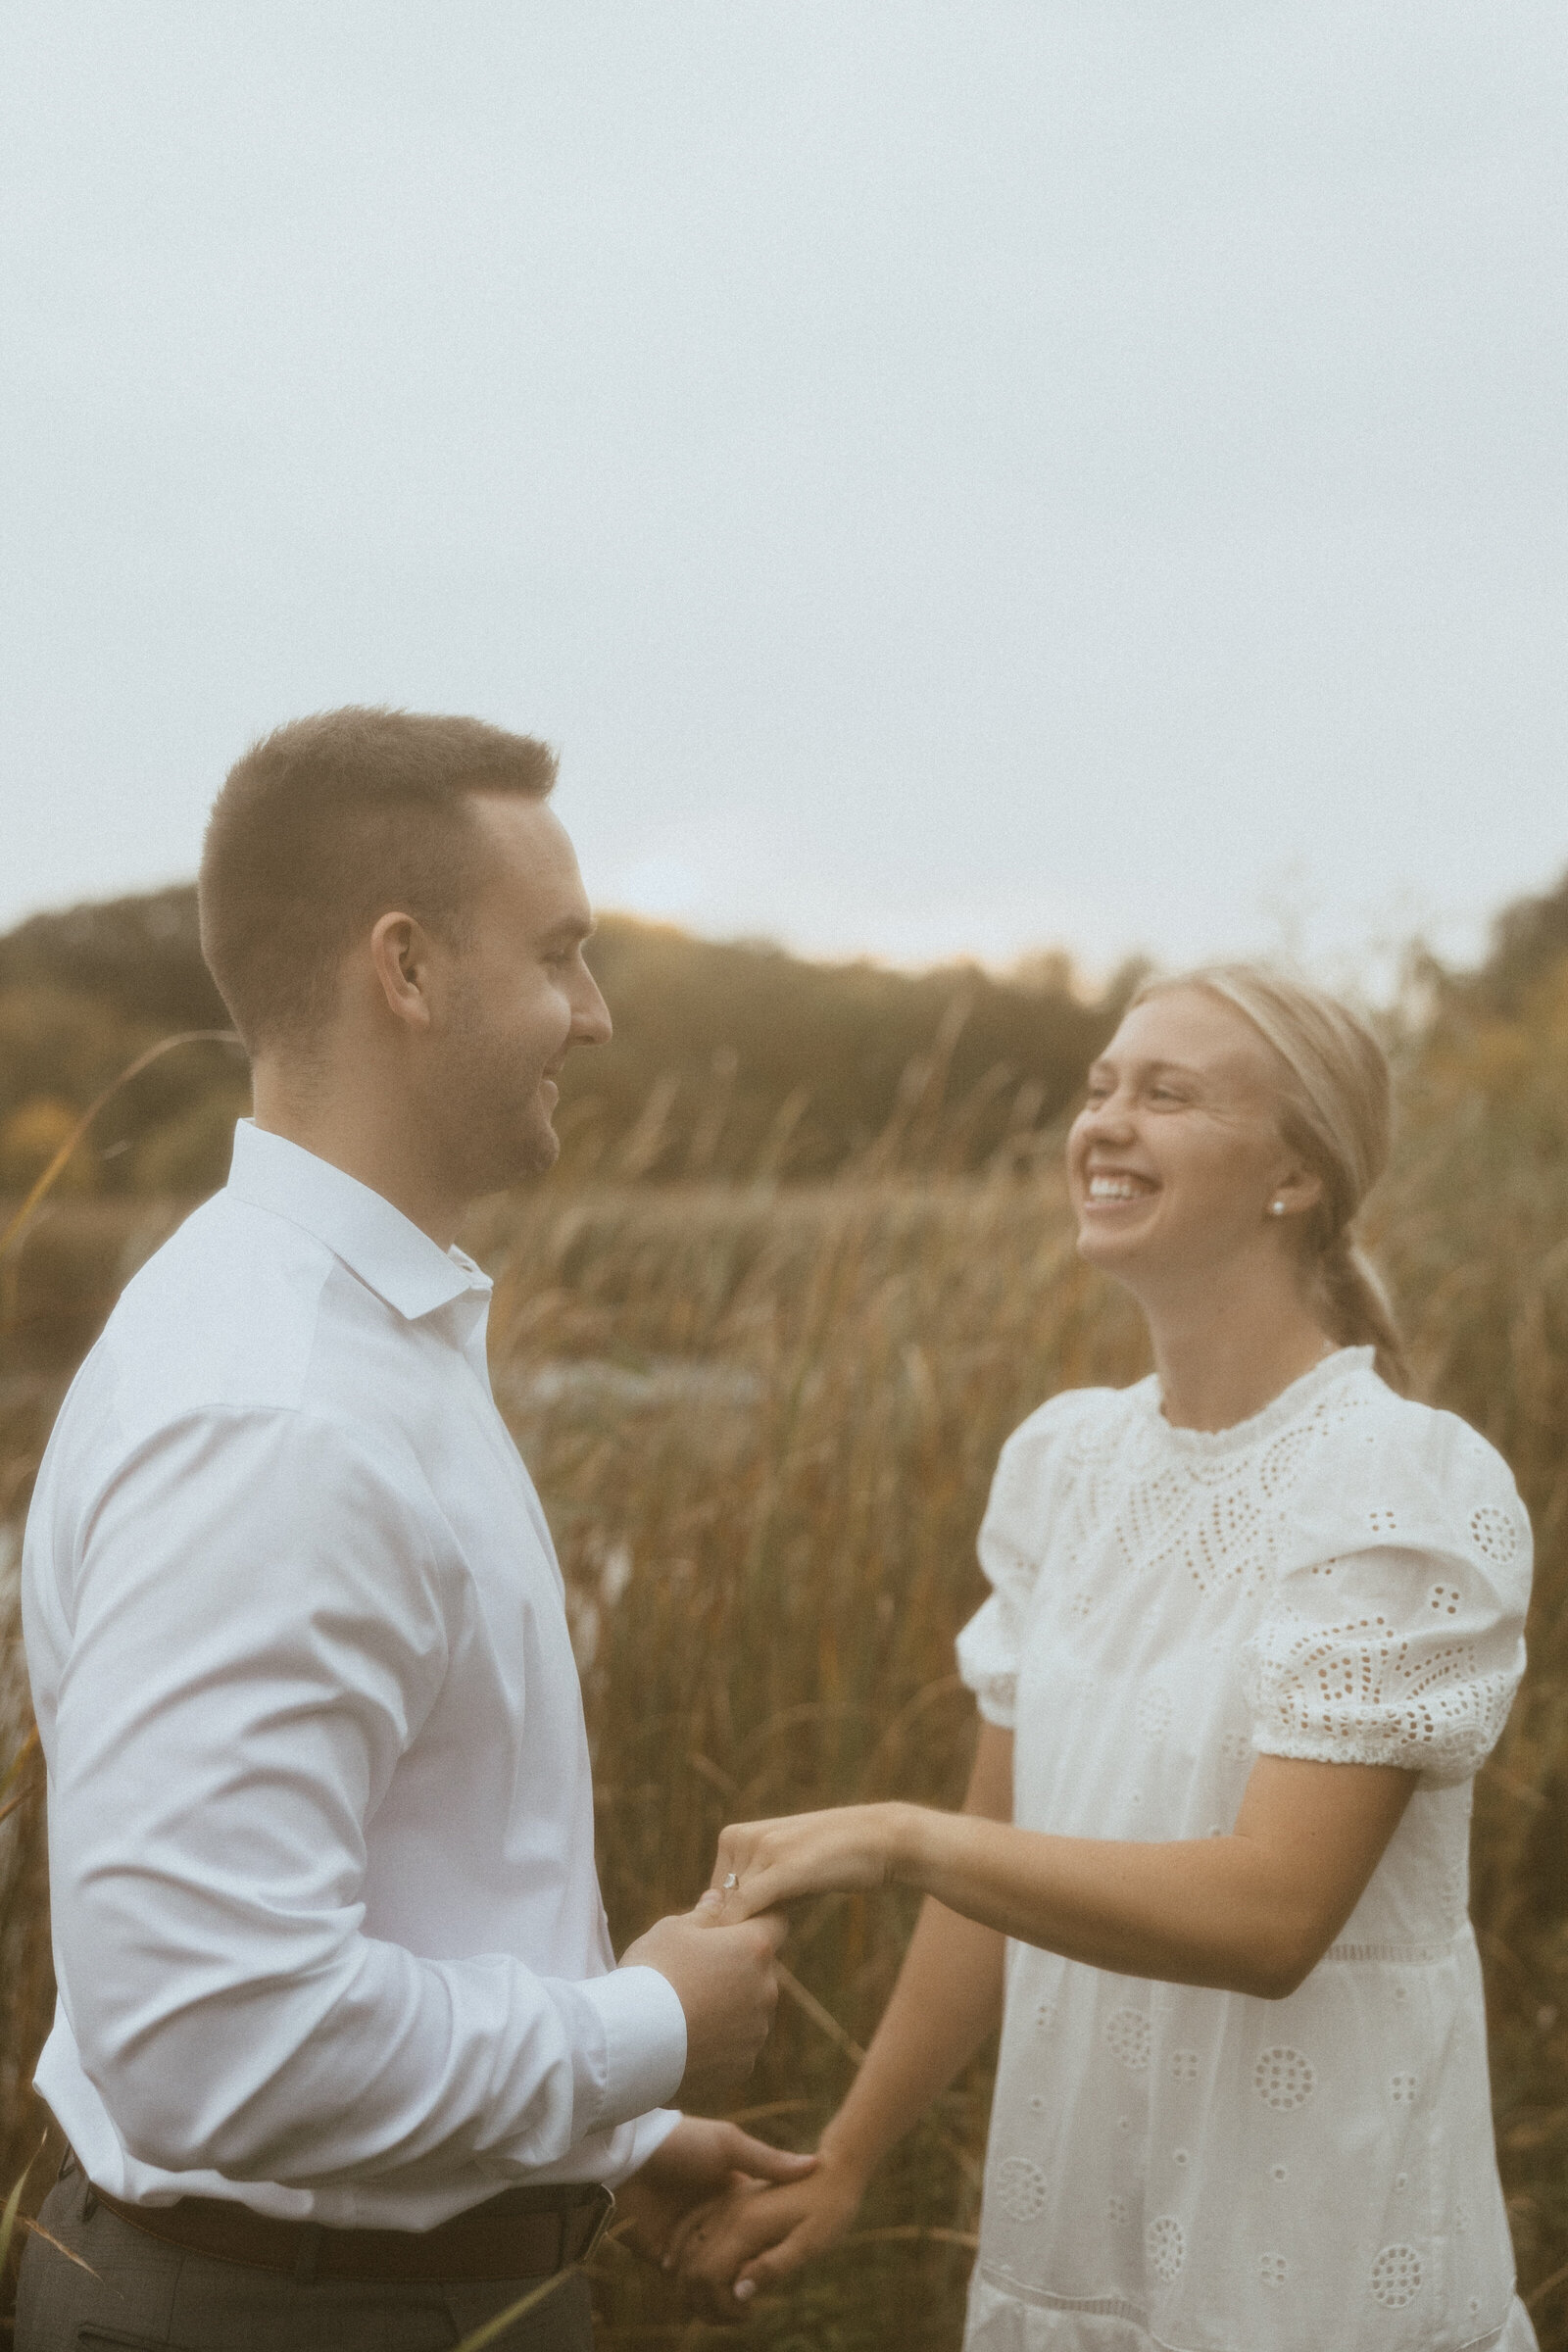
538	1151
520	1157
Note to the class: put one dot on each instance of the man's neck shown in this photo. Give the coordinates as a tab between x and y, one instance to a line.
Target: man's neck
371	1136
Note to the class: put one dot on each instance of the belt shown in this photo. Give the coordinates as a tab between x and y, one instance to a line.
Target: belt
522	2233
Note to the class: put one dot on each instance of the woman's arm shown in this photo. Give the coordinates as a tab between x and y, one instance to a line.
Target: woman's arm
948	1996
947	1999
1253	1912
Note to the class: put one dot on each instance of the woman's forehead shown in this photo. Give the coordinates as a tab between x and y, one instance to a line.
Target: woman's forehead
1193	1029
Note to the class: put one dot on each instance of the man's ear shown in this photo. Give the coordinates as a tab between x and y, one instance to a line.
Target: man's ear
400	958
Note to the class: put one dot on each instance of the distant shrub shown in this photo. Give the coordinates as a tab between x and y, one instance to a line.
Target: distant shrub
60	1043
59	1049
31	1134
191	1153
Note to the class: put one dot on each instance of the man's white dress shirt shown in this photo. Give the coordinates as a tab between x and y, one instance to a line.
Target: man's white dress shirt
326	1923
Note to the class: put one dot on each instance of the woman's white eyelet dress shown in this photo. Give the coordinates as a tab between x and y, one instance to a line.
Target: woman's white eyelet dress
1343	1579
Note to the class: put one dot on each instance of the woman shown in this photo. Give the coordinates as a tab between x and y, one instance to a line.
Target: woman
1254	1624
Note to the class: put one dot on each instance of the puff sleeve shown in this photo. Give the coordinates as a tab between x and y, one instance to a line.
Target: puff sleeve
1015	1537
1395	1629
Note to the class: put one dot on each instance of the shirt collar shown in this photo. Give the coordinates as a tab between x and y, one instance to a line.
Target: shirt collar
376	1242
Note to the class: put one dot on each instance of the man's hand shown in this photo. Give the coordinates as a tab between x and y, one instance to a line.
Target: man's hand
728	2251
724	1980
699	2160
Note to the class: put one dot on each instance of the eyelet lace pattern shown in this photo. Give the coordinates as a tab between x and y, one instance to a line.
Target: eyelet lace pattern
1340	1578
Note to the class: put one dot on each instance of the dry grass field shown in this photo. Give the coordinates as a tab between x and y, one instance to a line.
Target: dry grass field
762	1420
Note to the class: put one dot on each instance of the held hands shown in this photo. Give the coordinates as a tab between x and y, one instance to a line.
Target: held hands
723	1975
701	2162
727	2252
764	1863
729	2214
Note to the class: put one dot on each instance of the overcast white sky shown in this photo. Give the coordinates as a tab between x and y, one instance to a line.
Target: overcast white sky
950	477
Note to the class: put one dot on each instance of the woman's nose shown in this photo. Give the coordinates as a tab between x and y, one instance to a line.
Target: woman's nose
1110	1118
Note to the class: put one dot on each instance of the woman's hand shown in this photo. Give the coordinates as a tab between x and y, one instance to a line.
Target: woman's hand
728	2251
764	1863
701	2160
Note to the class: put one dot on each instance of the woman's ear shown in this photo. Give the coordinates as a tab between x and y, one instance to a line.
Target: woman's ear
1294	1190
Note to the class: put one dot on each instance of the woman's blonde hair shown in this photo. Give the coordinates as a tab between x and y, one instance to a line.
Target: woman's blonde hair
1336	1110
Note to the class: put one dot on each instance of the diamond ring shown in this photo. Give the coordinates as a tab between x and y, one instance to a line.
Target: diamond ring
731	1881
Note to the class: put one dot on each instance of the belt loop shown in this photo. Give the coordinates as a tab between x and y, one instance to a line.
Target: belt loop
311	2236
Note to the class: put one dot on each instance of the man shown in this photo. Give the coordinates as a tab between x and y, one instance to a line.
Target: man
342	2052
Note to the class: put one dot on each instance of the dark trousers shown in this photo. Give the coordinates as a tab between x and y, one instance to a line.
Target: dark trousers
149	2295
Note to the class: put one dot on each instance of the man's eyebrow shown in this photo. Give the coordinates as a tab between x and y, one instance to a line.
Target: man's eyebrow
570	928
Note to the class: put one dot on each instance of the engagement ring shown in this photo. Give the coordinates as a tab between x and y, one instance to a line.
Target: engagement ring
731	1881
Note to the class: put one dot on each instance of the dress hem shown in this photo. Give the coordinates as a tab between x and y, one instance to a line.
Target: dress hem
1116	2307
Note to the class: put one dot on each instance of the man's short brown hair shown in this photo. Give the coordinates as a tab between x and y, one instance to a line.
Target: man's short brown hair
327	824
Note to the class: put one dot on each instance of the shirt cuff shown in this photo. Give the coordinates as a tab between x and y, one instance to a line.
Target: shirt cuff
646	2136
644	2028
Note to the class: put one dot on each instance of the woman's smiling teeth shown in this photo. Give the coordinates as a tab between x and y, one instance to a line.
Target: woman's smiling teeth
1118	1188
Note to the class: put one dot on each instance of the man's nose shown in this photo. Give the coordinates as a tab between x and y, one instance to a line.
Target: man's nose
591	1024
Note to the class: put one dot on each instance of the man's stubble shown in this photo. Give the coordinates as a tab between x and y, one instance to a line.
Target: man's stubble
494	1123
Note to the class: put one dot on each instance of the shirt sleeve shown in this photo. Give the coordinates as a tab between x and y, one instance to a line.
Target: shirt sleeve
1396	1631
257	1633
1013	1538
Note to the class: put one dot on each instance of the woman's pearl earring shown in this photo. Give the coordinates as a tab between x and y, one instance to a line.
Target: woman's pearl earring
1276	1209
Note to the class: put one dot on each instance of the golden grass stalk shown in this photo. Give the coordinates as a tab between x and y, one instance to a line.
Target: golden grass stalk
493	2328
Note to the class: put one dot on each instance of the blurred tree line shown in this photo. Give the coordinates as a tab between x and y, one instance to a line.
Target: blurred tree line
728	1059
